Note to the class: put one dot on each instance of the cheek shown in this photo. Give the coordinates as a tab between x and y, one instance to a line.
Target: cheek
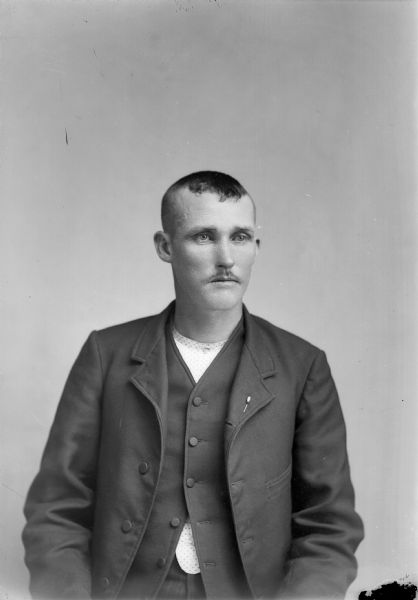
246	259
193	265
200	259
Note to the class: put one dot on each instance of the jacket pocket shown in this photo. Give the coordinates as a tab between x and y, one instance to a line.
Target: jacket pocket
275	486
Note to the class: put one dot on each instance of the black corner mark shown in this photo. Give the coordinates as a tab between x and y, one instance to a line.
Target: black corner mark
391	591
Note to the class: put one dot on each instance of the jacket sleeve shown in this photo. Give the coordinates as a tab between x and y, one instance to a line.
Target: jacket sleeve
326	530
60	504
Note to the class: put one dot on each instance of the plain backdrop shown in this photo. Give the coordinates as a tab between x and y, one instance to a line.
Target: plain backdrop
311	105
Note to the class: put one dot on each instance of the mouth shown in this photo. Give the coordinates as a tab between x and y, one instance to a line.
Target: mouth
224	279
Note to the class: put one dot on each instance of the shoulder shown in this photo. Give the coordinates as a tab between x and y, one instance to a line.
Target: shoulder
126	328
290	355
290	348
124	336
282	336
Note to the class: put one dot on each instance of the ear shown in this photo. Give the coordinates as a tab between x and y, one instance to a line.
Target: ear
163	245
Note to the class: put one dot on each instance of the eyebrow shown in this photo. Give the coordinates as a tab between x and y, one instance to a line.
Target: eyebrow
213	229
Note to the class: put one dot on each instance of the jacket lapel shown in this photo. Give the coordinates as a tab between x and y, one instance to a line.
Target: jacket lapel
250	391
150	352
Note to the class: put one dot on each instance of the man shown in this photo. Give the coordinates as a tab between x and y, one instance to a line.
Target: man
199	452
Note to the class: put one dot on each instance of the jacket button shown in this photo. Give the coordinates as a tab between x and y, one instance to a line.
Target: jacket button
175	522
190	482
197	401
143	468
126	526
105	582
193	441
161	563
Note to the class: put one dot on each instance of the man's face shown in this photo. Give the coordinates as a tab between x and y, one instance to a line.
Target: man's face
212	249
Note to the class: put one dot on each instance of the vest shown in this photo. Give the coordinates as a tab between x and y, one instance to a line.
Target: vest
193	481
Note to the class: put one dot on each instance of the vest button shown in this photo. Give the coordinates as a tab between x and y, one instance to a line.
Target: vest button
105	582
193	441
190	482
197	401
126	526
175	522
161	563
143	467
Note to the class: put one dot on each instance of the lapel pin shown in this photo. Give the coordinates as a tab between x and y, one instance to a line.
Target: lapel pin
248	400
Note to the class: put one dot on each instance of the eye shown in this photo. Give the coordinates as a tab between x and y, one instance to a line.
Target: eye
202	237
241	237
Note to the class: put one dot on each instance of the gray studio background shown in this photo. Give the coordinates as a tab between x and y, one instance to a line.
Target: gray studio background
310	105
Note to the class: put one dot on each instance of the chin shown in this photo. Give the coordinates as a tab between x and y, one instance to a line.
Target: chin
223	301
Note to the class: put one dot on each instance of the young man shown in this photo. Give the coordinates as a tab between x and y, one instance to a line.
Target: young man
199	452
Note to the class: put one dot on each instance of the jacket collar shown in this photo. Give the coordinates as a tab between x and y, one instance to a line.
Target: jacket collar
152	334
258	346
151	376
249	392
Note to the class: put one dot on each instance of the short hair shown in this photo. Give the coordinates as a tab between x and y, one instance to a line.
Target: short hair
222	184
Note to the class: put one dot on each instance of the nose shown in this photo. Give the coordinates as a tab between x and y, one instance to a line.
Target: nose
224	257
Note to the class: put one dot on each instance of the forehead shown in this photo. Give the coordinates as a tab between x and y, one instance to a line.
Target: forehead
207	210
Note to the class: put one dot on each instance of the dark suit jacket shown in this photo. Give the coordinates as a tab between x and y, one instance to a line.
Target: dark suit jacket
285	457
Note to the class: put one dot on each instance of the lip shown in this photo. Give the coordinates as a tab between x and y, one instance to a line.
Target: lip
224	280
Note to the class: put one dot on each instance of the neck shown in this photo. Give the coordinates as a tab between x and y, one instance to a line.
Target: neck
206	326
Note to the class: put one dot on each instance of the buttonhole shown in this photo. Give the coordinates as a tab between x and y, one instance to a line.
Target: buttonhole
238	482
246	540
